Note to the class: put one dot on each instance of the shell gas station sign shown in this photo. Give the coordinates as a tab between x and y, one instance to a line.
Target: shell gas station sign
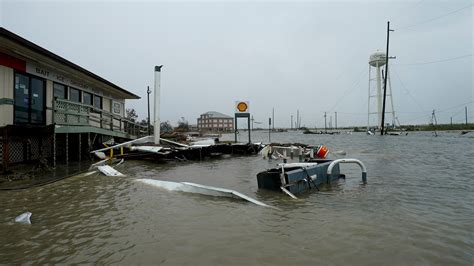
242	111
241	106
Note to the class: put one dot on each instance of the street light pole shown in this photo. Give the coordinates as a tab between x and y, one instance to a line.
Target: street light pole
148	92
269	129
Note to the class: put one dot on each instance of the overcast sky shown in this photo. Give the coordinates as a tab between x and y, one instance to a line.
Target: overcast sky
311	56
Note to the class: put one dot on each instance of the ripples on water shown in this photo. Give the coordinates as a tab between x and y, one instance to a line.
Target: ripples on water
416	209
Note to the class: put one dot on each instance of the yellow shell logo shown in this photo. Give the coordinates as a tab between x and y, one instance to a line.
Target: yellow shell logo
242	106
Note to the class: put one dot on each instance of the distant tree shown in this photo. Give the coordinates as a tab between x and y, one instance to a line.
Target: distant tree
183	125
131	114
166	127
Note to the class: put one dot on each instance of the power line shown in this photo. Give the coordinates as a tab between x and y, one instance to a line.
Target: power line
427	115
411	6
435	18
349	90
461	111
454	107
437	61
407	91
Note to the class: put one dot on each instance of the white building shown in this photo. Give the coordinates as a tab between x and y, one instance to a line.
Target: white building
47	102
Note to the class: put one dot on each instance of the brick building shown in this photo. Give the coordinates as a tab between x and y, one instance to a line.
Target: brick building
215	121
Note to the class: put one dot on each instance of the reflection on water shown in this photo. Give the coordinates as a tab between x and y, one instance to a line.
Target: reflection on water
416	209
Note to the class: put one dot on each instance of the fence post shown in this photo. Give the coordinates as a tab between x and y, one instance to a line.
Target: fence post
66	112
5	150
54	149
53	119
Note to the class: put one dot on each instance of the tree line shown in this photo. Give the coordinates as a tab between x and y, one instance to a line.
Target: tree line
165	127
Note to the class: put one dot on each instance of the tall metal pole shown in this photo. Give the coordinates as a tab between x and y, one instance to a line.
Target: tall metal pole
291	126
385	79
325	127
252	122
434	122
273	118
465	110
335	113
269	129
297	118
368	103
148	92
235	129
157	104
250	131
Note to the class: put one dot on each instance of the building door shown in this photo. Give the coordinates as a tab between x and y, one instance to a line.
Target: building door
29	100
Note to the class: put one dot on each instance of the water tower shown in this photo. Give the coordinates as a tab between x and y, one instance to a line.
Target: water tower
377	62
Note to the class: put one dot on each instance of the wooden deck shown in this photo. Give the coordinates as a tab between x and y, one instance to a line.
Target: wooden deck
72	117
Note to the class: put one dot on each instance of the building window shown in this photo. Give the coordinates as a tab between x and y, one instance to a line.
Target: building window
29	100
75	95
117	108
97	102
87	98
60	91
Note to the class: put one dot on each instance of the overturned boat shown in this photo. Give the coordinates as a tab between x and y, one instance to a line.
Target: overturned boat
294	178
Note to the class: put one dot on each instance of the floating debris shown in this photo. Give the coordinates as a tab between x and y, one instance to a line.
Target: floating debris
152	149
109	171
167	150
23	218
200	189
289	151
102	167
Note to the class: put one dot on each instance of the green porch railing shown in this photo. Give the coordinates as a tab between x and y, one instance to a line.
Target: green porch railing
67	113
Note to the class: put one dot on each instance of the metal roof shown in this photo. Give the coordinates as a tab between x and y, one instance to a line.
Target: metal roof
215	114
40	50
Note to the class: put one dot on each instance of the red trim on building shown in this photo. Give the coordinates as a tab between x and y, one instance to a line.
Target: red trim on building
12	62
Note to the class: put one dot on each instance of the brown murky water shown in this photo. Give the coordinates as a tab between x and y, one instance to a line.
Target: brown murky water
416	209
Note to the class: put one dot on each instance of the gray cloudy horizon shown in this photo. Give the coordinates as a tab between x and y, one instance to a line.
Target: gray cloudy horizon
311	56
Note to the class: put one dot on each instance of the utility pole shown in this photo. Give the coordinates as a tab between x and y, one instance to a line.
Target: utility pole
335	118
465	110
434	122
273	118
297	118
385	79
325	127
252	122
291	126
148	92
269	129
156	121
451	121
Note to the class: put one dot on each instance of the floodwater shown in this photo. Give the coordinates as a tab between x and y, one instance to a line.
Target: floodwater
417	208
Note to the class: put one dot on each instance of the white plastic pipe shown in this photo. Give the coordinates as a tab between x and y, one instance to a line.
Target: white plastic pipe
156	121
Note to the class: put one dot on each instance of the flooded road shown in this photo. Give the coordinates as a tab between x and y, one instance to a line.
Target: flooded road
417	208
